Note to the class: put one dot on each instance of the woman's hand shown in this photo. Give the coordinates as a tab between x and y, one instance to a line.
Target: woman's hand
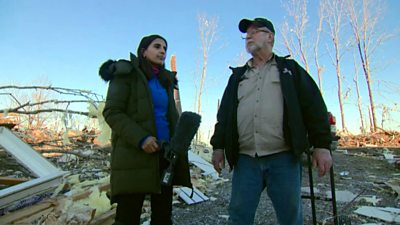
150	145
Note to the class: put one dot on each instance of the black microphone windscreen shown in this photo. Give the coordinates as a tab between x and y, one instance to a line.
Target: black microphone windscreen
185	130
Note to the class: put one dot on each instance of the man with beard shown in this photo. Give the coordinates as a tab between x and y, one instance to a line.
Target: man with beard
271	113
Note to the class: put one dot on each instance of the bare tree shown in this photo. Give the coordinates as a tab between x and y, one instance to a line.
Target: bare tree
359	99
287	41
364	24
333	11
36	109
385	114
319	68
37	120
297	10
295	38
207	30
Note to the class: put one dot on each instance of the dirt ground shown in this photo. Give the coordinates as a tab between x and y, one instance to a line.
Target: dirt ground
364	173
359	167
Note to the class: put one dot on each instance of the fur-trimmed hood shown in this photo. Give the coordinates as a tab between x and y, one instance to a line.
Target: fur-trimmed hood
111	68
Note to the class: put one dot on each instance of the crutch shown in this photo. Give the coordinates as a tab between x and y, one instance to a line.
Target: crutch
312	194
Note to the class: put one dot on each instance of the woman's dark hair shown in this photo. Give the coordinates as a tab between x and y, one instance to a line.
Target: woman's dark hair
146	66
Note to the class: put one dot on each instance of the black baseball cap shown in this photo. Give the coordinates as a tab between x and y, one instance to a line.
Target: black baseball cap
260	22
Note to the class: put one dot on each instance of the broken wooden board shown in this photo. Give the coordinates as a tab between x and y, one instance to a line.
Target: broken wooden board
58	210
203	165
394	184
186	194
28	213
49	176
25	155
9	181
105	219
16	193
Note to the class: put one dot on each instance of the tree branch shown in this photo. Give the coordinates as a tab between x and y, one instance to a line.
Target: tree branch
43	111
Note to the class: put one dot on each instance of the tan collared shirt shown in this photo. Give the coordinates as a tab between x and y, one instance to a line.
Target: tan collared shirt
260	111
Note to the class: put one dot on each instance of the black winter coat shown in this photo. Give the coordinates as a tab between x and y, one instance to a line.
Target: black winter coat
305	119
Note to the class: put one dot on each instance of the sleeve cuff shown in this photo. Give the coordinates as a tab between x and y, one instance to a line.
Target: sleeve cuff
142	141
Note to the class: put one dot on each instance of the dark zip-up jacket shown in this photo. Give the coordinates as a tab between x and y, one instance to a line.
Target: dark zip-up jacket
129	113
305	119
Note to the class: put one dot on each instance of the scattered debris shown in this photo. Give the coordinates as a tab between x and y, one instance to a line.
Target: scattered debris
394	184
386	214
343	196
371	199
307	190
203	164
344	173
88	164
191	196
9	120
371	140
48	176
343	151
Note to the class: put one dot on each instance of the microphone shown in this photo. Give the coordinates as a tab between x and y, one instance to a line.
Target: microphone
186	128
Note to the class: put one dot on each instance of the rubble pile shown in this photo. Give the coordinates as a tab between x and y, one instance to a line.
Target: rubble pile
82	196
377	139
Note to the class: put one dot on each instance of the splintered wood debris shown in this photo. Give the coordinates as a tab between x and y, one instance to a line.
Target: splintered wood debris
386	214
86	202
48	176
82	204
85	190
81	196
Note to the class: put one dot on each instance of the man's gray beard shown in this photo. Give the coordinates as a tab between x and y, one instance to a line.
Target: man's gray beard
252	48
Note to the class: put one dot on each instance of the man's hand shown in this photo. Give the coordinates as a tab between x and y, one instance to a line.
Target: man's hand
150	145
218	160
323	160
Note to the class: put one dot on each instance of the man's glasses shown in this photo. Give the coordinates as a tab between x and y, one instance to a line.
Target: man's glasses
253	32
